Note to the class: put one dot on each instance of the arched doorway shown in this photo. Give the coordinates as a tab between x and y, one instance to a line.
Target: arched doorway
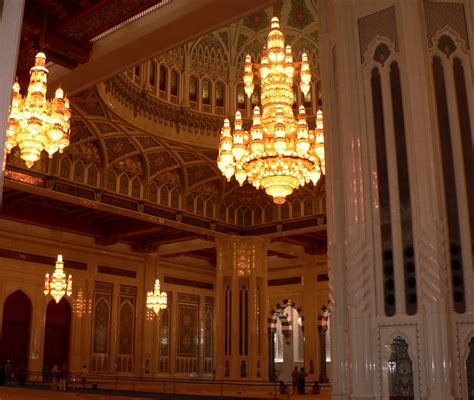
14	343
286	340
56	335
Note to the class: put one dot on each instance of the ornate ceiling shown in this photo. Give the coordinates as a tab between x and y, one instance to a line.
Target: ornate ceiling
221	53
64	29
144	169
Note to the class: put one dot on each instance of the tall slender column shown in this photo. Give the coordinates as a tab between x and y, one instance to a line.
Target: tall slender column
241	307
350	230
149	337
323	377
336	219
310	315
11	16
429	226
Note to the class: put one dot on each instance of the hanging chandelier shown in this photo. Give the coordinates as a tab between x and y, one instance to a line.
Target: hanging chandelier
35	123
58	285
156	300
279	153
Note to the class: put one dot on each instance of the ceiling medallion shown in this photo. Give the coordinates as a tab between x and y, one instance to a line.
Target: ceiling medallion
35	123
156	300
58	285
279	153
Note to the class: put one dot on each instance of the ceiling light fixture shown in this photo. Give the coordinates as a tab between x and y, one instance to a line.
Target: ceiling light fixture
35	123
279	153
156	300
58	285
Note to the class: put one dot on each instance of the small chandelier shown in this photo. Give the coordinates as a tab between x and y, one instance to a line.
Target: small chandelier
35	123
156	300
279	153
58	284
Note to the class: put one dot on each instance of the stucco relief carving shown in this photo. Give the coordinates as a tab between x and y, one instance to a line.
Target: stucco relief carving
86	151
431	252
132	166
359	273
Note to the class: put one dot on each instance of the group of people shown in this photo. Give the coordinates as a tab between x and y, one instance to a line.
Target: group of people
10	373
59	377
299	380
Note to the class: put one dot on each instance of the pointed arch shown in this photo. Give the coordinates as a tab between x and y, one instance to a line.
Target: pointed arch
16	324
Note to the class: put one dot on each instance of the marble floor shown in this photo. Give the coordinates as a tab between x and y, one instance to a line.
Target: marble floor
14	393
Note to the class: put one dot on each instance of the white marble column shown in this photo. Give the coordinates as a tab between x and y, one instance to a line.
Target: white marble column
11	17
429	223
336	219
350	222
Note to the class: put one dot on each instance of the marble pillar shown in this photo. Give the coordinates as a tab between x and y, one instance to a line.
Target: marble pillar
11	16
241	296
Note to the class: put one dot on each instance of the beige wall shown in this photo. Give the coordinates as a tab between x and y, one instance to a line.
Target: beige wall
28	276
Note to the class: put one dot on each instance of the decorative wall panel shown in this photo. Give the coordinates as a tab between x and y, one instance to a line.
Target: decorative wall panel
187	333
101	327
445	15
126	328
381	23
208	333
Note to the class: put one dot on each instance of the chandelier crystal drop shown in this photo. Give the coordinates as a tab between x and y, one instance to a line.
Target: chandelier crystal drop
58	285
35	123
279	153
156	300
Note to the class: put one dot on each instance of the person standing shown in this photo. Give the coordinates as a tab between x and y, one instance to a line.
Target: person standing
302	381
84	373
22	375
7	371
63	374
54	377
295	377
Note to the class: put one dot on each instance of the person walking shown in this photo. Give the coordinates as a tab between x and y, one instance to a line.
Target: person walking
84	373
302	381
54	377
295	376
63	375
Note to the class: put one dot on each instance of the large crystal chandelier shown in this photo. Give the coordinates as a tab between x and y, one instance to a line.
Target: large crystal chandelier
35	123
58	284
279	153
156	300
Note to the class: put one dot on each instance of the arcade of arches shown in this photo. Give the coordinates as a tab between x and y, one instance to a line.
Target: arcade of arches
364	279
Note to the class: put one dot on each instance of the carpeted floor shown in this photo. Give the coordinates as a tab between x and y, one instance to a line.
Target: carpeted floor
39	392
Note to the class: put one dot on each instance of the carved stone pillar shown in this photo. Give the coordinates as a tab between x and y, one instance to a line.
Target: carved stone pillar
323	377
11	17
241	308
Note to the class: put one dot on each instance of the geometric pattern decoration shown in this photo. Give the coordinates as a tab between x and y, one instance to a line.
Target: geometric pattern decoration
102	311
400	368
208	333
187	333
470	369
442	15
126	328
381	23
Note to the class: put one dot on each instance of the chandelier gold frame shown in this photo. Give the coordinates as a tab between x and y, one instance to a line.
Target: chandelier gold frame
279	153
58	284
35	123
157	300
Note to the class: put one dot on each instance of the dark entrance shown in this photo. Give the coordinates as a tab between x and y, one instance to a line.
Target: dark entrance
14	343
56	335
